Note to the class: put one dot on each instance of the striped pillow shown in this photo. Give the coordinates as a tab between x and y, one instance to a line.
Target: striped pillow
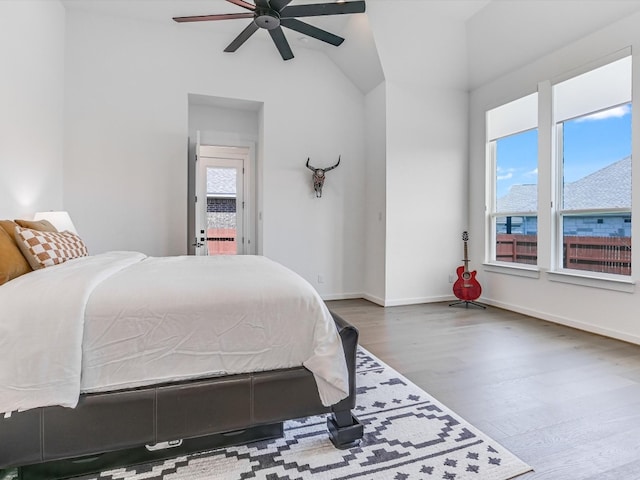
45	249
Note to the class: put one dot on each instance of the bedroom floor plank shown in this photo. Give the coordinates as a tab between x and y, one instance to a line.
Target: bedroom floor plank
565	401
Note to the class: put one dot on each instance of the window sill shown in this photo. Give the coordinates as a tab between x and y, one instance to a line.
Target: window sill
517	269
613	282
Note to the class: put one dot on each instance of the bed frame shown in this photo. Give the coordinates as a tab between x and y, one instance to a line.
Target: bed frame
131	426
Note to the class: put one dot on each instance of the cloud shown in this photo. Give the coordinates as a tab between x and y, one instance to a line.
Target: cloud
616	112
504	177
532	173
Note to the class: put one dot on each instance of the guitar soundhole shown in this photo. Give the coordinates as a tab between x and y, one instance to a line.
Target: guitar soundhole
466	275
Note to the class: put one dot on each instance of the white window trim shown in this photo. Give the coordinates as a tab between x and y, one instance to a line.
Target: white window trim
516	269
607	281
552	265
493	214
580	277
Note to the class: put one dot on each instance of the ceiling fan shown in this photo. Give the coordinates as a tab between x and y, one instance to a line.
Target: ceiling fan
272	15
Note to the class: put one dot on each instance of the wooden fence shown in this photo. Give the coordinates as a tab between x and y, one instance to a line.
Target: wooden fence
595	254
221	241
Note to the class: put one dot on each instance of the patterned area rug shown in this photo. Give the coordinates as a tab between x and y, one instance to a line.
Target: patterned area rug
408	435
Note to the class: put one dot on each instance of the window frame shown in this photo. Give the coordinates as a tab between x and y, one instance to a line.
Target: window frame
550	225
492	210
559	212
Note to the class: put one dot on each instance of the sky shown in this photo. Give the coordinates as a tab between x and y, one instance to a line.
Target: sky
590	143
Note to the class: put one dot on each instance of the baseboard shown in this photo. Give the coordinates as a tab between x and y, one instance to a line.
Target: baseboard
414	301
373	299
341	296
389	303
569	322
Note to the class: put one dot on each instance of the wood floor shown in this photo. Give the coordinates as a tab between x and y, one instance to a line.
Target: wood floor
566	402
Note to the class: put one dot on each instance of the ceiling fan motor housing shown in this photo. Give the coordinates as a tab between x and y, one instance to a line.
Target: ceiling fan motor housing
267	18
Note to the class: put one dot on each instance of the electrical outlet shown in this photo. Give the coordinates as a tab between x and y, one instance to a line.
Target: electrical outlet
320	279
450	278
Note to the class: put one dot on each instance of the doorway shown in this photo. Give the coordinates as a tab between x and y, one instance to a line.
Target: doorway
224	122
222	200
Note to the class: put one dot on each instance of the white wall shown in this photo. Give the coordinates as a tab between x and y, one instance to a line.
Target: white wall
505	36
31	116
599	310
426	191
126	140
375	195
426	148
223	125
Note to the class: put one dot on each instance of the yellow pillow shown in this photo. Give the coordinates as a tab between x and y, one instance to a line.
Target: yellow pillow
9	226
12	263
39	225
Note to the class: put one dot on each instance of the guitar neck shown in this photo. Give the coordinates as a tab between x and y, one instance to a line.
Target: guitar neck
466	258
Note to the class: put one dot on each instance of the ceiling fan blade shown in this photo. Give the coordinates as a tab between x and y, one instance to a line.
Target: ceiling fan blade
243	4
262	3
311	31
279	4
314	10
243	37
206	18
281	42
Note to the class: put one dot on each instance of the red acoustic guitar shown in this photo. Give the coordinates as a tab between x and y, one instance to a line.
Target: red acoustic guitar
466	288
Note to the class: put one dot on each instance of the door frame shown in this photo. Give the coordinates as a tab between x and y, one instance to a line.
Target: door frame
224	158
249	187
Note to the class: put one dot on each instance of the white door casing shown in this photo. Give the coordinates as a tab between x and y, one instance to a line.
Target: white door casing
223	159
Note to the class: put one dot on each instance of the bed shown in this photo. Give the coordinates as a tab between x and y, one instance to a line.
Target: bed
120	357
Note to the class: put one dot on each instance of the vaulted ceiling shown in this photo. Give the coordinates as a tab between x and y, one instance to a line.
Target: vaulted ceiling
501	35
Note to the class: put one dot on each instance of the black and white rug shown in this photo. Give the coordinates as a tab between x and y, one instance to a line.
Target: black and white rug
408	435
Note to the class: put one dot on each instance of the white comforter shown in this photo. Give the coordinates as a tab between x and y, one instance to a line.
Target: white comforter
147	320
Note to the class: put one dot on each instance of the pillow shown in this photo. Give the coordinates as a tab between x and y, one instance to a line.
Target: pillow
45	249
9	226
39	225
12	263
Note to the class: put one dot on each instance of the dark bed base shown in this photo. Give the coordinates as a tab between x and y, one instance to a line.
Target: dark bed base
80	466
203	414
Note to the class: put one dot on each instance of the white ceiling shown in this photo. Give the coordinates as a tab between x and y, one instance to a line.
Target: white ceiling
508	34
164	10
365	72
501	34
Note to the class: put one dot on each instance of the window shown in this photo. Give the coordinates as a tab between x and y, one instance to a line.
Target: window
592	114
583	195
513	154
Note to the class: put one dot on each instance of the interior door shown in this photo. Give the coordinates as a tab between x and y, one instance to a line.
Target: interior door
220	201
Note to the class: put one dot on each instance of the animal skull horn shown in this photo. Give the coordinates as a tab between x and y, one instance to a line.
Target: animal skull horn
318	176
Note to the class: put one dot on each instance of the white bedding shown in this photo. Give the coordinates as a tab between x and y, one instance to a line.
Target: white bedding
147	320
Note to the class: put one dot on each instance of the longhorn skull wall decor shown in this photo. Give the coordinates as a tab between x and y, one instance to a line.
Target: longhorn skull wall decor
318	176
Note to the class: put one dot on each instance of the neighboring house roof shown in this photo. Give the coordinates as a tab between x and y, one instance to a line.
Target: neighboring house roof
221	182
592	191
520	198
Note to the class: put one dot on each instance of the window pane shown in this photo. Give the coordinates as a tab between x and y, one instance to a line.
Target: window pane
517	239
516	180
596	173
597	160
516	176
597	243
221	211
